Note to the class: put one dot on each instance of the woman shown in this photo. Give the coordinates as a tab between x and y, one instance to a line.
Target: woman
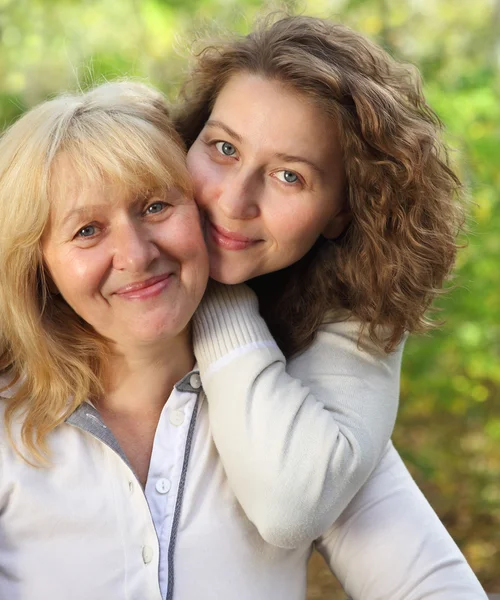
314	154
102	263
322	178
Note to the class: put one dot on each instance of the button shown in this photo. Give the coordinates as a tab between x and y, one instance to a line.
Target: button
177	417
131	486
163	485
147	554
195	381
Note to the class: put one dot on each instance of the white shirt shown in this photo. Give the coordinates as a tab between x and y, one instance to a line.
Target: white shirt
83	529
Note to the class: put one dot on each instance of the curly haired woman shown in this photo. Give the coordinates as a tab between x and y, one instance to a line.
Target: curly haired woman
323	181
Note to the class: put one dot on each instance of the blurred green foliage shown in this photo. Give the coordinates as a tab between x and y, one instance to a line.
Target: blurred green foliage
449	425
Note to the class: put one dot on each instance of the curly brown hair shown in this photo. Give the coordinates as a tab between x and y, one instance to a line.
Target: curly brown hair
391	261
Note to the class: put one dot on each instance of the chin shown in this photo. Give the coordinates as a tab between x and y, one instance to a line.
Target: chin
228	277
161	330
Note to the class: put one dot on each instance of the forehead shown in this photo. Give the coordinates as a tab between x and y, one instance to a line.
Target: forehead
76	180
137	159
267	110
71	187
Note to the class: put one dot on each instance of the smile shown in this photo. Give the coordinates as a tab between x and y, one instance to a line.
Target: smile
229	240
143	290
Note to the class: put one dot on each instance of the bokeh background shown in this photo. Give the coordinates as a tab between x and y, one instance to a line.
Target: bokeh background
448	429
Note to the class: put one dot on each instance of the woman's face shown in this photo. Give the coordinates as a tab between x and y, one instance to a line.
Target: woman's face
268	176
134	267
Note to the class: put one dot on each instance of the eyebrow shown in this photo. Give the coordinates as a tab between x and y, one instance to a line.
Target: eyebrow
300	159
226	128
80	212
281	155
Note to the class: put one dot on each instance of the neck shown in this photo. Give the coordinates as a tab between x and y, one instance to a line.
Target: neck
140	380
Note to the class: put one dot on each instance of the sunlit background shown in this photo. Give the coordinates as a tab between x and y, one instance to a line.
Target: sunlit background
448	429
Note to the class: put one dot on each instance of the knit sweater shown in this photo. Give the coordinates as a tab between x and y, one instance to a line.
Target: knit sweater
297	439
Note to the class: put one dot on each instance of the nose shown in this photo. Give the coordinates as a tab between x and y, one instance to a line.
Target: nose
133	248
239	196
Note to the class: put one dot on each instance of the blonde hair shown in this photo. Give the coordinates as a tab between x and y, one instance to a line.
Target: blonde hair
116	132
400	245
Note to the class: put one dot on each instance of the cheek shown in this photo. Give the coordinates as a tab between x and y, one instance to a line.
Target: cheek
296	227
206	181
194	246
191	244
78	275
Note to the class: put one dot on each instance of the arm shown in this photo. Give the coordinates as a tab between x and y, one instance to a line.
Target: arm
295	448
389	543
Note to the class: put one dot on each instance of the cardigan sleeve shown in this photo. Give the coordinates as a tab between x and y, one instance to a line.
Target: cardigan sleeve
296	446
389	543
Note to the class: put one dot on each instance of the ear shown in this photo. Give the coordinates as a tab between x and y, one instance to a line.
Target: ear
338	223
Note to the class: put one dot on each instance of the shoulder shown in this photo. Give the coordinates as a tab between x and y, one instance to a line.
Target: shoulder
353	332
342	347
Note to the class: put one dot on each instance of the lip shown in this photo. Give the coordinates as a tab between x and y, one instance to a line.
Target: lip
141	290
229	240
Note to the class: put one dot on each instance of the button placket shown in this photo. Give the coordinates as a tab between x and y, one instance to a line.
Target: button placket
163	487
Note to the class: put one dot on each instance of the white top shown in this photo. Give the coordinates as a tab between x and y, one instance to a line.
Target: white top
296	442
83	529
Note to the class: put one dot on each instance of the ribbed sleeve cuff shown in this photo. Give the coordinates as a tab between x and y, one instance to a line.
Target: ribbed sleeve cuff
227	319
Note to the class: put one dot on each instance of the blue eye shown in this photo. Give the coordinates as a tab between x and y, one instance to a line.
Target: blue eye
226	148
287	176
87	231
155	207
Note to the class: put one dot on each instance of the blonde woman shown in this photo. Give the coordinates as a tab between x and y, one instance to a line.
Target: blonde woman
111	486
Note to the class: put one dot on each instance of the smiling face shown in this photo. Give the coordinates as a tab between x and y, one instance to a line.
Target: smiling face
268	176
133	266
